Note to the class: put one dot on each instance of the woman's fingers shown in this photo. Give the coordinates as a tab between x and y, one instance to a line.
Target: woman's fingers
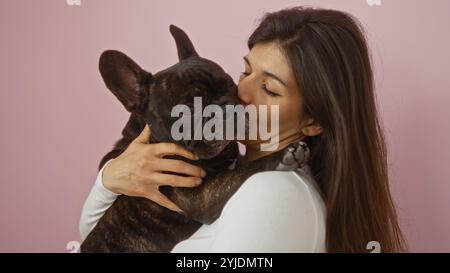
162	149
179	166
162	200
176	180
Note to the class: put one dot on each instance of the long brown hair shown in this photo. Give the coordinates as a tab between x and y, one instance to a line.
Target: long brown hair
329	55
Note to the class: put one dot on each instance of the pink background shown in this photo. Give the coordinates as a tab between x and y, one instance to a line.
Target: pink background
58	119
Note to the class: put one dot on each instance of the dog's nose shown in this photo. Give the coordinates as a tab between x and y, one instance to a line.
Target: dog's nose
228	100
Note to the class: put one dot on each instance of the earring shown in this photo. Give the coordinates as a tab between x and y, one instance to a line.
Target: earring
296	156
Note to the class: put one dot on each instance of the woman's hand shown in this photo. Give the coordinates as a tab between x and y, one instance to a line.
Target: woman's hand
138	170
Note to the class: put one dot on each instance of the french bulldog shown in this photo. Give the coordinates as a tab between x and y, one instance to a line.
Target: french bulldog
134	224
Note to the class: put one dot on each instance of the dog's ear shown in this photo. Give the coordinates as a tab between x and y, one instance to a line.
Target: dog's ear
184	45
127	81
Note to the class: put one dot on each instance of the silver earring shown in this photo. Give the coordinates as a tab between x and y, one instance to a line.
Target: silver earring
296	156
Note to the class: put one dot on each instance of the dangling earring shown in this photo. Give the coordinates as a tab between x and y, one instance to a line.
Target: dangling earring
302	154
296	156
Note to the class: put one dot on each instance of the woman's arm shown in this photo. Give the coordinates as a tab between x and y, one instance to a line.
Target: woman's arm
272	212
96	204
139	171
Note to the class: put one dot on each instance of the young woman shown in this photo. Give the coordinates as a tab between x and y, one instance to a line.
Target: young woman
314	64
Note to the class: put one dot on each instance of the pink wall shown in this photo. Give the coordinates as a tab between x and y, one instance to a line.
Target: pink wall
58	118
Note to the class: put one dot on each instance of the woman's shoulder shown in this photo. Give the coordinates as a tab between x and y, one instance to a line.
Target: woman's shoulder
278	188
301	180
286	205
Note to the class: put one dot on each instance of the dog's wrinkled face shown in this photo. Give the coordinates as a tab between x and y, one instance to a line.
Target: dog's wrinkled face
154	96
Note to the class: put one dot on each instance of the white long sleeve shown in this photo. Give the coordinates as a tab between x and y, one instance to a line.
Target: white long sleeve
96	204
273	211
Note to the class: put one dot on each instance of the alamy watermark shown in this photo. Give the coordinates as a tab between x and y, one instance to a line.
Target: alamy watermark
374	246
78	2
374	2
73	2
214	129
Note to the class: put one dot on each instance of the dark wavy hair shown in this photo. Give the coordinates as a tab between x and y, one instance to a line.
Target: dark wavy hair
329	56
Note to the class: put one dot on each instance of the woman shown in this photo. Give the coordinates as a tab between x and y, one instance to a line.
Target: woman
315	65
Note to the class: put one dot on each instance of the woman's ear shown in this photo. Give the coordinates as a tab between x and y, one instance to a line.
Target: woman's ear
310	128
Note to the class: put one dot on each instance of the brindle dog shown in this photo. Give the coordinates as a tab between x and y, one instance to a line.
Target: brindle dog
134	224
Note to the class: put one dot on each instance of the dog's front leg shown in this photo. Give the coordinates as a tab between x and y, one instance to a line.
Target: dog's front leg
205	202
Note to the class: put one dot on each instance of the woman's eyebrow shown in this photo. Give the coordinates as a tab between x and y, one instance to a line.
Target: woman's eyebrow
275	77
267	73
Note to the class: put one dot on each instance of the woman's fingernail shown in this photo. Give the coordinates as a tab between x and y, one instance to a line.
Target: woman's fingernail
198	181
203	173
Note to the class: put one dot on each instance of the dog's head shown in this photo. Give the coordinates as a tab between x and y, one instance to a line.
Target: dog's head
153	96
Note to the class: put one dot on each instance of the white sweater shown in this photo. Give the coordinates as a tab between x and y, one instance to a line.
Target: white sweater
273	211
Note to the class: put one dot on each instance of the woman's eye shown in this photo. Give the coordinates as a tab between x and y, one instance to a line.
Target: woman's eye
270	93
245	73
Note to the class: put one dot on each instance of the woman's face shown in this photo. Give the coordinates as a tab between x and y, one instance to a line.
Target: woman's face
268	80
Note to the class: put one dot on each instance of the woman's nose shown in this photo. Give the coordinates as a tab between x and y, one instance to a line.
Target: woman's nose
244	93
